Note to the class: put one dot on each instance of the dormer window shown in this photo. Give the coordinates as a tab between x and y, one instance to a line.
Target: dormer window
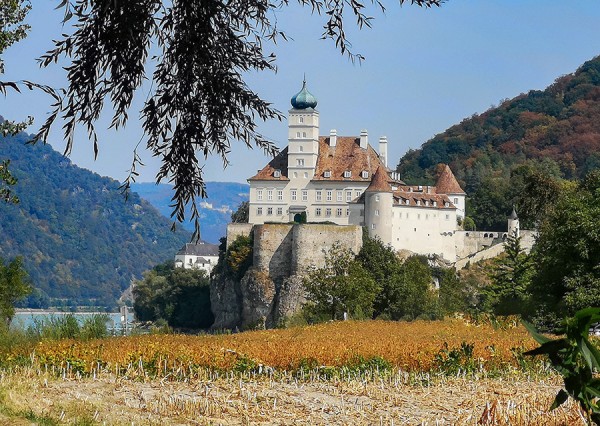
364	174
418	202
301	119
347	174
277	173
327	173
407	202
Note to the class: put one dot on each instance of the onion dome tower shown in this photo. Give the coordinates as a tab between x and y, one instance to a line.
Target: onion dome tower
303	137
304	99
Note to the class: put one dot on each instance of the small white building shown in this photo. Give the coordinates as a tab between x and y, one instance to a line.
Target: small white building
197	256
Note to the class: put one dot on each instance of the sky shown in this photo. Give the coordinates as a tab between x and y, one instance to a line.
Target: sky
425	70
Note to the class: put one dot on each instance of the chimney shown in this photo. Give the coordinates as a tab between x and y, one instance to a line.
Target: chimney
332	137
383	150
364	139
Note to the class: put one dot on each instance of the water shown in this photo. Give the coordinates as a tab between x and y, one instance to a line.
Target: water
115	323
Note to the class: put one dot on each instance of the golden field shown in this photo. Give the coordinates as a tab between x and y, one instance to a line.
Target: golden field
410	346
296	376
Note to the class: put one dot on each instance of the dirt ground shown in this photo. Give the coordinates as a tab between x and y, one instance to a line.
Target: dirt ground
39	399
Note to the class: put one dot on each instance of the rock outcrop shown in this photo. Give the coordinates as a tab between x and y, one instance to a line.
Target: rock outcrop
272	290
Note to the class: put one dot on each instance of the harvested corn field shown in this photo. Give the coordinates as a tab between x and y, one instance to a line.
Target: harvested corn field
375	372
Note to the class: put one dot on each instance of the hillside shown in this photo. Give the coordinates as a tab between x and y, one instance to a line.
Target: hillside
556	130
215	211
80	240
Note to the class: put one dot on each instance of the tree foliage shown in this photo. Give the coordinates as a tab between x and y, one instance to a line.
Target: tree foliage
198	103
13	287
341	286
12	29
177	295
511	277
567	255
242	214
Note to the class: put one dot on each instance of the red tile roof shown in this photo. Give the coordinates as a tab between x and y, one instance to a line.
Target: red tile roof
380	183
447	183
347	155
280	162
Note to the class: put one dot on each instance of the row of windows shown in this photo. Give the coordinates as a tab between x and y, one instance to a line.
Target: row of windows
327	194
259	211
319	212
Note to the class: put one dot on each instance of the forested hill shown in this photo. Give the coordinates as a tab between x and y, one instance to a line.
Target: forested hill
78	236
556	129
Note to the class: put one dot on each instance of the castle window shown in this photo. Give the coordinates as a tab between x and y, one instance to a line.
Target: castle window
347	211
372	226
304	195
303	134
295	175
357	193
347	174
377	198
327	212
364	174
298	134
456	201
407	202
301	119
318	196
339	212
277	173
270	194
279	211
376	212
329	195
259	194
447	217
327	173
294	194
259	211
418	202
318	211
340	195
269	211
279	195
305	175
301	148
300	162
348	196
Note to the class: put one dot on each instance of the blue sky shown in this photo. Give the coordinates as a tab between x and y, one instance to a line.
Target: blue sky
425	70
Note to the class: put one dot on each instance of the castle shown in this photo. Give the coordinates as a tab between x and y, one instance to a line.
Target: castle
345	181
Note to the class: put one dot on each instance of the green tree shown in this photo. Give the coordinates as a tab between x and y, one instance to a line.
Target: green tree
511	277
567	255
242	214
382	264
13	287
412	295
179	296
452	293
342	285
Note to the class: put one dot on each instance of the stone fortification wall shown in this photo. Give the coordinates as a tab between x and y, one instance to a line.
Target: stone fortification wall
486	245
234	230
311	242
272	289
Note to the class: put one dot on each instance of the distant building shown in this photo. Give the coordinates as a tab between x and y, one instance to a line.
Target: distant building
197	256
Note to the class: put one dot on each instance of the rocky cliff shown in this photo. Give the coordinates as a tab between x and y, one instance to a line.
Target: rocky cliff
271	290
